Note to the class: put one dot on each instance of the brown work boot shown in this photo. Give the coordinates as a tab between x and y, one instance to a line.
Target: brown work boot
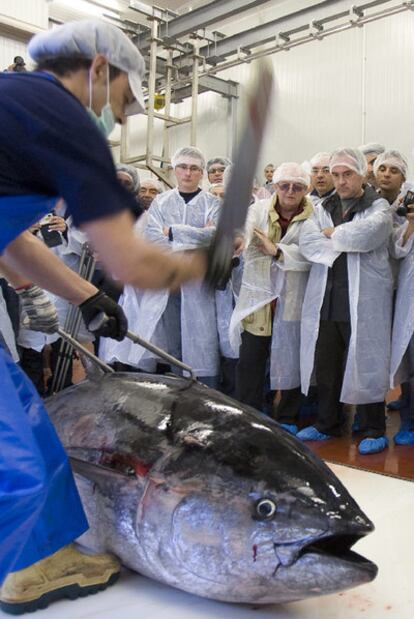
66	574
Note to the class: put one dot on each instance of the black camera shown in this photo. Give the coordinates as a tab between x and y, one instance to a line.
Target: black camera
408	200
19	64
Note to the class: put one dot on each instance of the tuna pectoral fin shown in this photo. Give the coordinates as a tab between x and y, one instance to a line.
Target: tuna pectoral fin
95	472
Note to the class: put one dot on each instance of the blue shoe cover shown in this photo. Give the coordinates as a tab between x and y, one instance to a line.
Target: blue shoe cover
404	437
289	427
395	405
312	434
372	445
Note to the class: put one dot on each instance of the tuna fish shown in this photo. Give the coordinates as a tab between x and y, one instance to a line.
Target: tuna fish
197	491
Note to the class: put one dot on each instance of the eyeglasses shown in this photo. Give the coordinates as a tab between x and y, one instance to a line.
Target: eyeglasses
214	170
190	168
295	187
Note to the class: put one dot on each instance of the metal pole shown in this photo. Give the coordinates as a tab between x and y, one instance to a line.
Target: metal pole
194	96
151	90
167	109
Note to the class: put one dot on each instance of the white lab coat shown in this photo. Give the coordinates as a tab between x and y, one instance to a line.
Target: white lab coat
403	325
365	240
6	329
69	252
144	308
266	279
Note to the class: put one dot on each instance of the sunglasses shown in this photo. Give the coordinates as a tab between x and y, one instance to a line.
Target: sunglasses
295	187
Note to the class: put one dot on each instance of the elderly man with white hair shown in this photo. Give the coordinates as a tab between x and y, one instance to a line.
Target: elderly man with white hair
321	178
183	323
149	189
216	168
346	317
266	319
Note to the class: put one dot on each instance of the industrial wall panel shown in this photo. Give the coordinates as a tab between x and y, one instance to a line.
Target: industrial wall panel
33	12
390	84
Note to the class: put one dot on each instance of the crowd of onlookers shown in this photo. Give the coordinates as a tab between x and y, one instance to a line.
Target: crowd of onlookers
317	311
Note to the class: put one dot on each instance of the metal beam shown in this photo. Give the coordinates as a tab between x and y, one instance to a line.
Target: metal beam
288	24
210	83
199	18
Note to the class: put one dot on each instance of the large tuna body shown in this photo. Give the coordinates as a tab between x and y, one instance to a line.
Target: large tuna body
197	491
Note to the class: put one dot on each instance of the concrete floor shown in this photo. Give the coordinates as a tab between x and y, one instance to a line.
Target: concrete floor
388	501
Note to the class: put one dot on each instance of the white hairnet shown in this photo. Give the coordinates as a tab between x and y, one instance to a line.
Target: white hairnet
291	172
189	155
87	38
132	173
351	158
154	182
321	160
372	148
392	158
225	161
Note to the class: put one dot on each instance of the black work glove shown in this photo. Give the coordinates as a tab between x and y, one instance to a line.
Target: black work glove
116	324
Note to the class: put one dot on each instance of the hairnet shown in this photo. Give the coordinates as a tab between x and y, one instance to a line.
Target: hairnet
220	160
351	158
87	38
392	158
132	173
320	159
291	172
190	155
154	182
372	148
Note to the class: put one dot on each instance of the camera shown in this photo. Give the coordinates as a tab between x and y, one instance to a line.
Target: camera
19	64
408	200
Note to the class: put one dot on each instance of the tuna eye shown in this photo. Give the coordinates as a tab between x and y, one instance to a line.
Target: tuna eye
265	509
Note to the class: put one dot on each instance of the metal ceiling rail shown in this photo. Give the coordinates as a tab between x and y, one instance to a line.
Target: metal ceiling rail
298	21
199	18
285	43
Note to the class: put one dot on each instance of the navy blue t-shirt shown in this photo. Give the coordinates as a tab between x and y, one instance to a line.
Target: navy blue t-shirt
50	146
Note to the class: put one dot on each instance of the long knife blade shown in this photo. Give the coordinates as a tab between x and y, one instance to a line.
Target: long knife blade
238	193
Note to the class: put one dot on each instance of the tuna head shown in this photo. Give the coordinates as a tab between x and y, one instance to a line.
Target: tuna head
241	511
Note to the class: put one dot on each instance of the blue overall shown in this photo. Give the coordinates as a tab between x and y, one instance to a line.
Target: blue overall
40	509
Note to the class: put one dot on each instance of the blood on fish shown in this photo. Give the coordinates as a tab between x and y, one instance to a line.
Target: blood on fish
125	463
254	552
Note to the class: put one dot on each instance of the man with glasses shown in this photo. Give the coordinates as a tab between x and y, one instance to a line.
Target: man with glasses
216	168
266	319
346	316
184	323
321	178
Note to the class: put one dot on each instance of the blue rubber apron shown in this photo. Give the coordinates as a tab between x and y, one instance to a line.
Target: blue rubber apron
40	509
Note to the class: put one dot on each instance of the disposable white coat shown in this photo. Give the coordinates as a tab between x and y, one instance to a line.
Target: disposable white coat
6	329
69	252
365	240
265	279
144	309
403	325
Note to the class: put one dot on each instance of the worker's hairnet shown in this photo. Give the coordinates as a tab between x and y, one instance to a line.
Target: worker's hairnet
154	182
132	173
291	172
225	161
392	158
351	158
321	160
189	155
372	148
87	38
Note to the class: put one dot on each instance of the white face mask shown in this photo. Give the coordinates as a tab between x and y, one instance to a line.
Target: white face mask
106	121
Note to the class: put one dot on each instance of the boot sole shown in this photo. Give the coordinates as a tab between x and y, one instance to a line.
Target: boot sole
71	592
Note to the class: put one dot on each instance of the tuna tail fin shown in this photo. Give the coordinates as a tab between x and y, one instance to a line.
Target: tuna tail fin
93	371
